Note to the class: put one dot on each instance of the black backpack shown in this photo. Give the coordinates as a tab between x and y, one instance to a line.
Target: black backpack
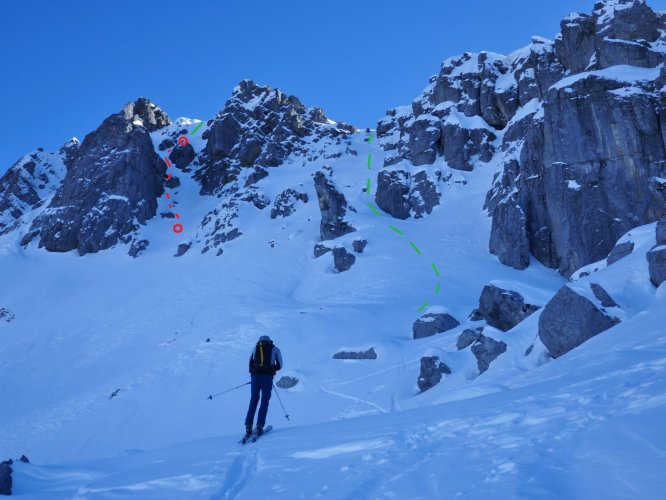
261	359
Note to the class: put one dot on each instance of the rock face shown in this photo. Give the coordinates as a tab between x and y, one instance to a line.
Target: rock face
6	477
569	319
433	323
591	143
602	295
286	382
657	265
620	251
486	350
369	354
431	373
333	207
30	181
503	309
111	185
259	127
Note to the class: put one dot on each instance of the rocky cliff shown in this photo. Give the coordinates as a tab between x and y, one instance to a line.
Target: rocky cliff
576	125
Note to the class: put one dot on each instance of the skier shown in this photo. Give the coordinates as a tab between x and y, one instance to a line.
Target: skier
265	360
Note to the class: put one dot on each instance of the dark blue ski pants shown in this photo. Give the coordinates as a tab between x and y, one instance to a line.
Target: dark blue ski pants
262	385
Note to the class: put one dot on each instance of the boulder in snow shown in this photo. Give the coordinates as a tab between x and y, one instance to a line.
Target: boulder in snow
333	207
486	350
602	295
569	319
368	354
286	382
502	308
359	245
342	259
433	323
431	373
661	232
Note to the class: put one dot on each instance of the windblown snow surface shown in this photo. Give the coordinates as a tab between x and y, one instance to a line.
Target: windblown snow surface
162	333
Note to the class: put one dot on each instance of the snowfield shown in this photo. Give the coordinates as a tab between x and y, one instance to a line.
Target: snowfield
106	370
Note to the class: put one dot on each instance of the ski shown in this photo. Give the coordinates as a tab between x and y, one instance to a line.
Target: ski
255	436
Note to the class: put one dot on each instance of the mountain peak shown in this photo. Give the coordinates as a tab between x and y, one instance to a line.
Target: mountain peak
144	112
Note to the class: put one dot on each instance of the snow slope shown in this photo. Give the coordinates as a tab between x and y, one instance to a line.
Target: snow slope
109	355
588	425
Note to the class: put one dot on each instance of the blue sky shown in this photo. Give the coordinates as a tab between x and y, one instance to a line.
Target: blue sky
69	64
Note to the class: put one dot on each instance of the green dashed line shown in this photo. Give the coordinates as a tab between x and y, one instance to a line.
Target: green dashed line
437	288
415	248
196	128
369	160
372	207
397	230
425	304
434	268
370	138
368	190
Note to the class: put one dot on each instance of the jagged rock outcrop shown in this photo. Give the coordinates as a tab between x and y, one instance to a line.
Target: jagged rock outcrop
285	203
260	127
333	207
431	372
367	354
502	308
591	143
112	185
30	182
569	319
432	323
486	350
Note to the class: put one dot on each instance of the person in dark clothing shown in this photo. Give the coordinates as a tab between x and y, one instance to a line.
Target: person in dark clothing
265	361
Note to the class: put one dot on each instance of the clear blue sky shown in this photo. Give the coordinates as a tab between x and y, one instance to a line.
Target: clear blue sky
70	63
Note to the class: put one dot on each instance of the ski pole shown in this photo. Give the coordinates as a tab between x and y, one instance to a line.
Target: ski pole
280	400
228	390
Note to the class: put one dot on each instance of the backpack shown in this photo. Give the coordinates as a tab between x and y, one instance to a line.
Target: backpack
261	359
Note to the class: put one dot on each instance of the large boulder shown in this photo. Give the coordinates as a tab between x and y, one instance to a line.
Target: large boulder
569	319
402	194
431	373
486	350
502	308
657	265
432	323
342	259
286	382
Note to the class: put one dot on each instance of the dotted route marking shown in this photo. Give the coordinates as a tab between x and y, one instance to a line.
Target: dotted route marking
399	231
182	141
